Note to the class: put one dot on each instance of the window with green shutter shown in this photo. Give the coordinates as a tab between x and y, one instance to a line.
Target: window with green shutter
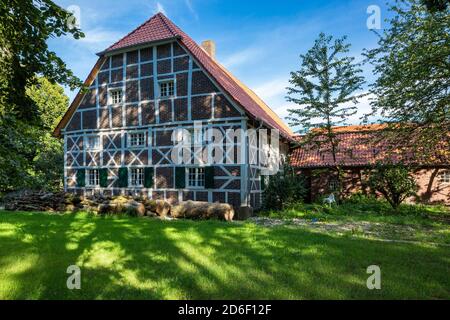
123	177
209	177
104	178
180	177
81	178
148	177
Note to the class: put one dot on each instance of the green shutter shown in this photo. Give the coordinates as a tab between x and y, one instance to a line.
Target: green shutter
123	177
209	177
103	173
148	177
263	182
180	177
81	178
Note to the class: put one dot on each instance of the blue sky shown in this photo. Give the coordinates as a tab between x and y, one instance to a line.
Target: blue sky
258	41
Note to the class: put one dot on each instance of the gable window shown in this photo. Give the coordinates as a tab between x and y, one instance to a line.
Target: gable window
115	96
137	177
444	177
92	142
196	177
167	88
93	178
136	139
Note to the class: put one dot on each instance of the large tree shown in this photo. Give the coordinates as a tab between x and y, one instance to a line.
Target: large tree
25	27
30	157
436	5
326	92
412	62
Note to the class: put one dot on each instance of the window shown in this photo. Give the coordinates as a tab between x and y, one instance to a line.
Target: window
93	177
166	89
196	177
444	177
116	96
333	185
92	142
137	177
137	139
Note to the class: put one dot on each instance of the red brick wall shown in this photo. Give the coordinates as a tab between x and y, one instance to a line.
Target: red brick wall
430	189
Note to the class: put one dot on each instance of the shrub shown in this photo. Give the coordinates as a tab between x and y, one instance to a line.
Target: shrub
284	189
393	181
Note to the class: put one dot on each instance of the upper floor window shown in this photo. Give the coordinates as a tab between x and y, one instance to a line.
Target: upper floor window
92	142
444	177
196	177
93	177
115	96
136	139
167	88
137	177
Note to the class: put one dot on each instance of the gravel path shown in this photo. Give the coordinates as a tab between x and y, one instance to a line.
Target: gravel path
380	231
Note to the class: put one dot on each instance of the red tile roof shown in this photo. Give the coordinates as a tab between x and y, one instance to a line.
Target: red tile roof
358	146
159	27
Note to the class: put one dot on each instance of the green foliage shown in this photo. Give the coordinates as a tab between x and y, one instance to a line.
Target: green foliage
30	157
366	208
25	27
393	181
436	5
30	101
412	62
283	189
324	88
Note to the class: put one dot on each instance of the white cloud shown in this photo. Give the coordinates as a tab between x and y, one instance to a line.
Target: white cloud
160	8
98	39
191	8
271	89
241	57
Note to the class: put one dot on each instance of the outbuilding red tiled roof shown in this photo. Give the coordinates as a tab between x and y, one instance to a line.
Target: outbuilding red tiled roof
358	146
159	27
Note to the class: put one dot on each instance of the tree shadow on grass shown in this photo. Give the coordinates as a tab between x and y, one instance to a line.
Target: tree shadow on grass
139	258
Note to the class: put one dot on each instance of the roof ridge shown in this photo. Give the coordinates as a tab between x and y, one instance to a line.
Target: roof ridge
159	28
158	15
168	23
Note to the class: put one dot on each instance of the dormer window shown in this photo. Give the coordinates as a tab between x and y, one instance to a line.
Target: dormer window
166	89
115	96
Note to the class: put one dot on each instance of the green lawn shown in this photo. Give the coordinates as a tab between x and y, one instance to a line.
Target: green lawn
140	258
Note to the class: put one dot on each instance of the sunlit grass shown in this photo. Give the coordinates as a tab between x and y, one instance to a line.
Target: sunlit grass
140	258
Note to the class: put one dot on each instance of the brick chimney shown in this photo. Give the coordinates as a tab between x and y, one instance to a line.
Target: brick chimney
210	47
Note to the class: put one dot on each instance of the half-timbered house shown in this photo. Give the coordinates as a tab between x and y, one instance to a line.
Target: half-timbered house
118	133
